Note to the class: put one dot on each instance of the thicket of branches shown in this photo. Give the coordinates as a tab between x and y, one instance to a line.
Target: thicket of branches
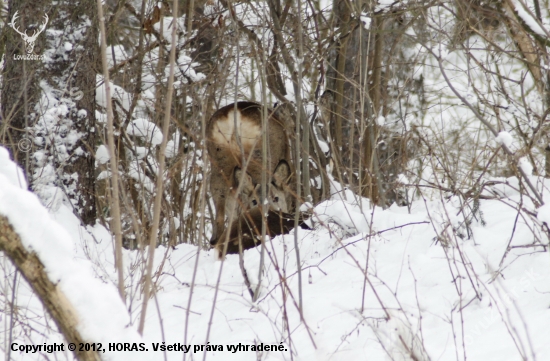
366	81
354	72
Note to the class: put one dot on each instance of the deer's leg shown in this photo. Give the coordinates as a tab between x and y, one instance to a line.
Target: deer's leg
218	188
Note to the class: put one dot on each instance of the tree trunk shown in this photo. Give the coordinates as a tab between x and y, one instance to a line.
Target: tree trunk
20	85
79	78
54	301
64	140
371	177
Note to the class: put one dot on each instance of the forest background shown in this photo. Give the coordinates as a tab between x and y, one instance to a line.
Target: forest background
425	129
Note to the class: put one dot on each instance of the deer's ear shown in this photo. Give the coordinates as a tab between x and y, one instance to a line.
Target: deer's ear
282	175
237	176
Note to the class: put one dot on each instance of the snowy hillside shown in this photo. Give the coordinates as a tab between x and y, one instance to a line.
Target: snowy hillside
425	293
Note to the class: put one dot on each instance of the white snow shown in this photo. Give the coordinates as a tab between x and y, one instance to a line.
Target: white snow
172	146
526	165
141	152
117	93
504	138
384	5
366	20
402	179
167	27
412	276
529	20
145	129
106	174
119	52
102	314
543	214
11	172
102	154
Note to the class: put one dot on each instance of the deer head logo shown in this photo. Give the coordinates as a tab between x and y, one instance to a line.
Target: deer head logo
29	40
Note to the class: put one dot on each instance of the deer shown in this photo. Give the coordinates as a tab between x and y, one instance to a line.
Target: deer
233	143
245	232
29	40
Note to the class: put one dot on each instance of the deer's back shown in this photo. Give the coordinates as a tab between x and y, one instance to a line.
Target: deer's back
230	125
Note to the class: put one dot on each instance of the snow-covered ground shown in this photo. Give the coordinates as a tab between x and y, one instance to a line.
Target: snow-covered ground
436	286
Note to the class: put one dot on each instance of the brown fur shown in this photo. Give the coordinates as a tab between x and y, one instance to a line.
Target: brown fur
248	229
225	155
276	189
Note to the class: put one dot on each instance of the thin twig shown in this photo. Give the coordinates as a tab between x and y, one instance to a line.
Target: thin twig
160	172
115	208
507	150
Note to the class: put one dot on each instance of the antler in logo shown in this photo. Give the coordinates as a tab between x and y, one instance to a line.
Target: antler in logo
29	40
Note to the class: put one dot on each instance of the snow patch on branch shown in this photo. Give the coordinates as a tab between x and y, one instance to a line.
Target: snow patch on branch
145	129
504	138
525	165
386	5
102	155
529	20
